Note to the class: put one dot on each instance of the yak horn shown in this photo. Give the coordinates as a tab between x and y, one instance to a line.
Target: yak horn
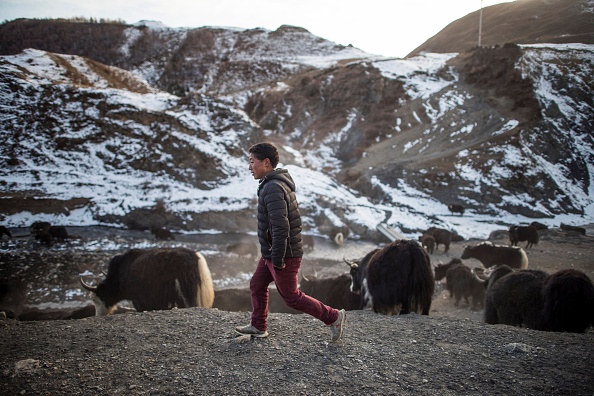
87	286
315	275
352	264
478	278
339	239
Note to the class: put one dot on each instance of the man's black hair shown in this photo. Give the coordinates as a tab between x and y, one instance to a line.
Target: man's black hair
265	150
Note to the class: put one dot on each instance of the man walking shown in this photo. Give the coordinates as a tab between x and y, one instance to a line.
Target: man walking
281	246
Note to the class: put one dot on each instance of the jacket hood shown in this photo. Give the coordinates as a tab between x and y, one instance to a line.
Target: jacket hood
278	174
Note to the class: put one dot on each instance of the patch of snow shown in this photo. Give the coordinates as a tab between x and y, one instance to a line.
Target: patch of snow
418	73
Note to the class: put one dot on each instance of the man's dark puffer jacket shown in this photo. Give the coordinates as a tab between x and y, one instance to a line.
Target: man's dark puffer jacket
279	221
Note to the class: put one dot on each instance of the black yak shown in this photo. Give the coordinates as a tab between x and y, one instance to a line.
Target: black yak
162	234
568	301
154	279
39	226
456	208
47	233
538	226
441	236
521	234
335	292
516	299
461	282
395	279
490	255
441	269
428	242
563	301
567	227
58	233
358	272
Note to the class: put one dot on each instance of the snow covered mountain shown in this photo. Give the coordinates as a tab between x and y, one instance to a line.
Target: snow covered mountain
506	131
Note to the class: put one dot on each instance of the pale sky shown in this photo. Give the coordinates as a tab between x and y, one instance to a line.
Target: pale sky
380	27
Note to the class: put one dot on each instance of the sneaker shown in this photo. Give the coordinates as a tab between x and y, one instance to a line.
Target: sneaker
251	330
337	327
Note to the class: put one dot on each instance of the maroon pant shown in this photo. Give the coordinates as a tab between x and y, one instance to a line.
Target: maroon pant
286	284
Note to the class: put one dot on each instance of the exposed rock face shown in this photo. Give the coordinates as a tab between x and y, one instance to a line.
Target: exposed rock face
503	128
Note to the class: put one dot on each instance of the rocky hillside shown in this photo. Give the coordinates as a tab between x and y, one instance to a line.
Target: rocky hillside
520	22
503	130
207	60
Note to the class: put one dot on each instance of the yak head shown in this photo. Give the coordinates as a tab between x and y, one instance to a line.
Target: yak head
359	271
104	304
356	275
308	282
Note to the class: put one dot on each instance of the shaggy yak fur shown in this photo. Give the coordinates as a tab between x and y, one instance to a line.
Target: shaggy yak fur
441	236
521	234
516	299
334	292
428	242
563	301
396	279
154	279
490	255
569	301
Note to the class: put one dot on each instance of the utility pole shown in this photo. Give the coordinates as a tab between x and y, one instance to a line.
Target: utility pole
480	24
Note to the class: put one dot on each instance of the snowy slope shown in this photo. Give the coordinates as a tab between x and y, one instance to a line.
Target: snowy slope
226	59
126	149
550	153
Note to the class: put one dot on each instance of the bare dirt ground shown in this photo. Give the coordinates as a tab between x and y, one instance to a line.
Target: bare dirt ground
195	351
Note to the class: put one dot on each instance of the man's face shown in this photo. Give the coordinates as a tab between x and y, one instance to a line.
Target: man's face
259	168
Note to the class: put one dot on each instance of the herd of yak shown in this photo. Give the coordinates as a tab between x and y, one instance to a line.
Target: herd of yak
511	293
397	278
